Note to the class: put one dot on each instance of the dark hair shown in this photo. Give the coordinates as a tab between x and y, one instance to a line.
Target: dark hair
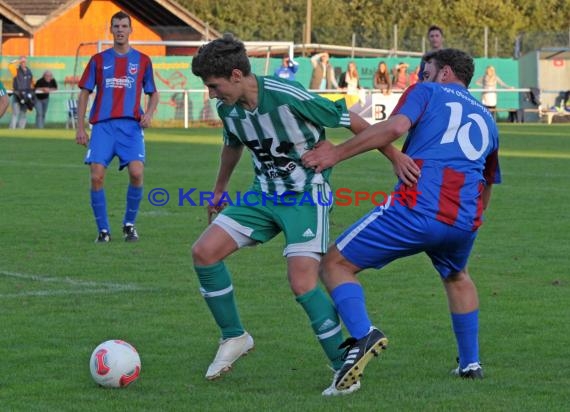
384	75
220	57
460	63
428	56
120	15
434	27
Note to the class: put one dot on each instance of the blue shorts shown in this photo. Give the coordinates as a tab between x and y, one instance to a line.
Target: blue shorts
388	233
123	138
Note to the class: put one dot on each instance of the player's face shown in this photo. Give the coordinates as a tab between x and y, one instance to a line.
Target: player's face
438	75
435	39
430	73
225	90
121	30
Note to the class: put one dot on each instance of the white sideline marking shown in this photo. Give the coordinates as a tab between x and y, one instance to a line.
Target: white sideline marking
96	287
32	164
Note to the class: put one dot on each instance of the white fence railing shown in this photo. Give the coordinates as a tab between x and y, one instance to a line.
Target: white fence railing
192	107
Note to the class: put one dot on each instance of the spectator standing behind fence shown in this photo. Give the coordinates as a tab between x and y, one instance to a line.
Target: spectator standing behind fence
4	99
435	38
323	77
401	77
44	86
23	98
287	69
489	82
349	82
382	80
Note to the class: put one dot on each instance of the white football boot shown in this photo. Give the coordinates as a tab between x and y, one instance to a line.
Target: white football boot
333	391
230	350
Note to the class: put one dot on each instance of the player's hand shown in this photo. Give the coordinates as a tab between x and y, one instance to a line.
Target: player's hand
321	157
81	137
214	211
146	120
406	169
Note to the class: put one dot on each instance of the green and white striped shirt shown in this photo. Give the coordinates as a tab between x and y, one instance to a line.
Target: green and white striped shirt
2	89
287	122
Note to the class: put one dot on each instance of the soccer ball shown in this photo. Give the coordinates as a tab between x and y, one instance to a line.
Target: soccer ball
115	364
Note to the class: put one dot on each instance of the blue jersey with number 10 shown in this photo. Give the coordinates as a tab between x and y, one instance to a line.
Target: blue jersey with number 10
455	141
120	80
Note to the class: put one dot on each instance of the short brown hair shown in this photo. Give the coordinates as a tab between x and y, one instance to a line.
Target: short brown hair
120	15
433	28
220	57
460	62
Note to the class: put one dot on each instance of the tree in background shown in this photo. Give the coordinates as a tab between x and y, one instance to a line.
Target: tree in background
372	22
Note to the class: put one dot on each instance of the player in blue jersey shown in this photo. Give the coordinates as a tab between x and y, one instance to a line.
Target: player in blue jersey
454	140
120	75
287	69
277	121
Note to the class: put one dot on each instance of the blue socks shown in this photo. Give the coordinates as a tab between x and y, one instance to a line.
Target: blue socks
466	329
134	197
351	306
99	206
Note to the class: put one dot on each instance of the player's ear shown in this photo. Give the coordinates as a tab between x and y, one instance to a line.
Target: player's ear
236	75
447	73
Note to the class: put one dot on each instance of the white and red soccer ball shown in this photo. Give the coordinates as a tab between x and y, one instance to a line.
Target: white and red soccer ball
115	364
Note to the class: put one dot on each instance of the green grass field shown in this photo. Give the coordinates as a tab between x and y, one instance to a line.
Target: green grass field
61	294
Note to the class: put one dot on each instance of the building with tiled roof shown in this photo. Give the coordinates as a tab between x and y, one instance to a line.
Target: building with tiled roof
59	27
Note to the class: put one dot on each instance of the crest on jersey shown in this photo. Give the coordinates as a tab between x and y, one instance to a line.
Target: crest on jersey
133	68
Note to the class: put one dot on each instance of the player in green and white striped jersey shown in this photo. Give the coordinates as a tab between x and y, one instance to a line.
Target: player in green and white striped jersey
278	121
286	123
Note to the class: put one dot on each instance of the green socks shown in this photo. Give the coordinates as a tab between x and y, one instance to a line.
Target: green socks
325	323
218	291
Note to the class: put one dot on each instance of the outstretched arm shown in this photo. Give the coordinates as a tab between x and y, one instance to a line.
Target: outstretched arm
502	83
326	155
404	166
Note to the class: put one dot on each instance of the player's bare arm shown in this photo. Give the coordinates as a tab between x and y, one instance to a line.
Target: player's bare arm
374	137
404	166
146	118
229	159
486	195
81	136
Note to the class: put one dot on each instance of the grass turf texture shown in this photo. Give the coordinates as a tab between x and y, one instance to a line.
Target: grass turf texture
61	294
